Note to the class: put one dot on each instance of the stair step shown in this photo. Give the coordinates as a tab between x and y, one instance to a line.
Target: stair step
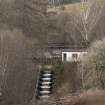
45	87
47	74
46	83
44	96
45	92
46	78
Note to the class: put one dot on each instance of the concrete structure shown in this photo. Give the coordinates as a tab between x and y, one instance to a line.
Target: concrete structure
64	51
72	56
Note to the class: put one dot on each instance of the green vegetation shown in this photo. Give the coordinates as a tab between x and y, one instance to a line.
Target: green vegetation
59	71
70	1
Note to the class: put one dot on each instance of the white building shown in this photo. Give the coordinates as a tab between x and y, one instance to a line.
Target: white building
72	56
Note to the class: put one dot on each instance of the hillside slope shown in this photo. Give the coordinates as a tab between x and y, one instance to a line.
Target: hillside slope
68	8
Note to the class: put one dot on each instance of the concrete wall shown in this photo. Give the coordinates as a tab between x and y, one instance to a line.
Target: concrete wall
70	56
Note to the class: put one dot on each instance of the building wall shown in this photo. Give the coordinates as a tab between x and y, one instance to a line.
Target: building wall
72	56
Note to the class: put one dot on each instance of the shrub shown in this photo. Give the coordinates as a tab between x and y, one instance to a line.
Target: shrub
62	8
59	71
94	66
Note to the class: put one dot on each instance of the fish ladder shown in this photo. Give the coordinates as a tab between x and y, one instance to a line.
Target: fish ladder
45	84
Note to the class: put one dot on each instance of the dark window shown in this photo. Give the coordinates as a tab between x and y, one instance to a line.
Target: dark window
74	56
64	56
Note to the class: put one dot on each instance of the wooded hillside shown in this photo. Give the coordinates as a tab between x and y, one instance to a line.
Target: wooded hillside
27	25
73	16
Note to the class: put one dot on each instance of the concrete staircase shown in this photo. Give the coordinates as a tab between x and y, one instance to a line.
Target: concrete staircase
44	89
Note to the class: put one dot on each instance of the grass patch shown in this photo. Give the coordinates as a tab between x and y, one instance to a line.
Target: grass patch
59	75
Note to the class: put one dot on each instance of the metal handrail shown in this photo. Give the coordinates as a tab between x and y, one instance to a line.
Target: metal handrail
36	87
38	77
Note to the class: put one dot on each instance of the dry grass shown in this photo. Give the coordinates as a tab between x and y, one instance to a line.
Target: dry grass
74	8
87	98
70	8
91	98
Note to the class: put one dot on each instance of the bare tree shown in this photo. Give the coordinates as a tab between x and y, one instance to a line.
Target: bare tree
93	66
3	60
88	16
17	72
6	47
